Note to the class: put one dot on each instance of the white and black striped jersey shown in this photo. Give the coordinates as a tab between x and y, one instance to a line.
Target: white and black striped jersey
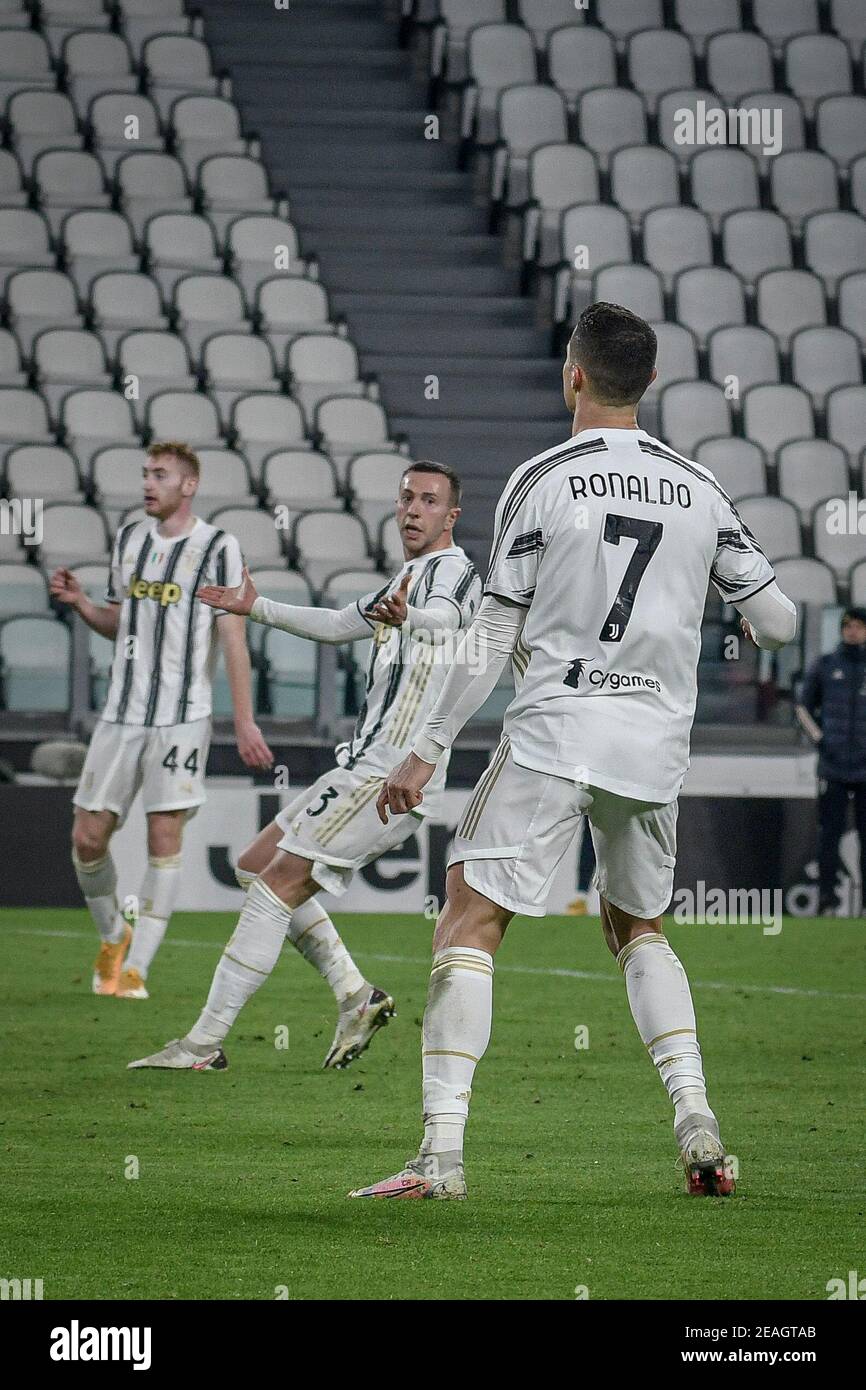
406	670
165	649
609	540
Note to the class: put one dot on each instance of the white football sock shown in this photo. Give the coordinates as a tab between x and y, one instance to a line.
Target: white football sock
661	1006
314	935
98	882
457	1022
244	877
246	963
159	890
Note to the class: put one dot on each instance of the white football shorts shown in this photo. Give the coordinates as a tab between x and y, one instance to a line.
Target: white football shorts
167	764
335	823
519	823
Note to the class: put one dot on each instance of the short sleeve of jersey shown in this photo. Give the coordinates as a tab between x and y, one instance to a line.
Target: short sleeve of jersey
227	568
740	568
455	579
518	545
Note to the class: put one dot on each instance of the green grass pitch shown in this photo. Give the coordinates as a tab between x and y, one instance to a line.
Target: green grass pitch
242	1174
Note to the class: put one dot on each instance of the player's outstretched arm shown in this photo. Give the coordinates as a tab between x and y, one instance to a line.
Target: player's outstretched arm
318	624
239	600
65	588
770	618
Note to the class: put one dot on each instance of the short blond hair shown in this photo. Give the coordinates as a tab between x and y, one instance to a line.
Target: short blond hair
179	451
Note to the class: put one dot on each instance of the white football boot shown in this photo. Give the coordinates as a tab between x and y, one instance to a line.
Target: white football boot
427	1176
178	1056
357	1027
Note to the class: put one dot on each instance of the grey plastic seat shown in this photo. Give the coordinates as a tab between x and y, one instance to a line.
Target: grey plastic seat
263	423
611	117
809	470
43	470
322	365
12	191
678	118
149	183
25	62
255	245
780	20
11	369
738	63
177	244
709	299
622	18
541	17
559	176
34	658
283	586
852	305
225	481
66	180
857	582
636	287
59	18
817	66
41	120
743	357
233	366
176	65
329	541
824	358
591	237
803	182
724	181
499	56
806	580
762	134
840	127
97	62
788	300
38	299
303	479
846	419
450	37
259	538
205	125
676	239
374	483
848	19
754	242
858	185
676	360
140	20
691	411
529	116
22	590
774	523
25	241
92	419
290	663
233	184
185	415
579	59
116	476
71	534
737	465
109	120
66	358
123	300
834	244
775	415
23	419
659	60
96	241
13	15
837	545
351	425
207	304
288	306
702	18
642	178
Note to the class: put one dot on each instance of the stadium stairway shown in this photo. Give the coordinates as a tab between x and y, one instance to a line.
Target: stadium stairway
403	250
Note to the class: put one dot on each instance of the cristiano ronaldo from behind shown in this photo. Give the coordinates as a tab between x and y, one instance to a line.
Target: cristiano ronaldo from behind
603	548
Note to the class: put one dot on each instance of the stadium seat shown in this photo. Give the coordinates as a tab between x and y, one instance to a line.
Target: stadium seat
205	125
14	15
176	65
622	18
674	130
529	116
691	411
449	42
780	20
707	299
140	20
840	126
149	182
23	419
754	242
659	60
776	415
817	66
43	470
12	191
643	178
857	582
234	365
25	62
836	542
810	469
737	464
65	358
852	305
676	360
541	17
824	358
91	419
289	306
66	180
224	481
609	118
97	62
347	587
559	176
499	56
702	18
38	299
149	362
676	239
328	541
806	581
724	181
34	664
116	480
93	580
59	18
229	185
261	424
25	241
22	590
775	525
738	63
283	586
109	122
253	245
11	369
858	185
41	120
788	300
579	59
301	479
186	415
389	545
846	419
125	300
290	664
94	242
763	136
834	244
848	19
259	537
321	365
373	482
803	182
180	243
207	304
745	355
351	425
71	534
637	287
590	239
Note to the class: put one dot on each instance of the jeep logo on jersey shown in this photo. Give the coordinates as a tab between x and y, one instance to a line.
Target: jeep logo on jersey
608	680
164	594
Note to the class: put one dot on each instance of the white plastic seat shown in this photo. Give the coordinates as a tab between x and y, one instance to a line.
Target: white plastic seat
231	184
450	36
141	20
41	120
702	18
636	287
643	178
529	116
66	180
846	419
858	185
809	470
559	176
659	60
92	419
848	19
254	244
755	241
97	62
207	304
817	66
283	586
329	541
578	59
691	411
609	118
834	244
590	239
541	17
856	582
38	299
59	18
288	306
22	590
234	365
807	581
824	358
291	665
835	542
96	241
25	240
11	369
65	358
389	544
738	63
852	305
622	18
775	525
788	300
737	465
259	538
187	415
71	534
124	300
34	658
707	299
762	134
775	415
322	365
677	239
23	419
149	183
43	470
744	355
205	125
303	479
724	181
803	182
25	62
780	20
840	126
176	65
180	243
678	120
499	56
116	476
224	481
676	357
374	483
111	127
13	15
351	425
264	423
12	191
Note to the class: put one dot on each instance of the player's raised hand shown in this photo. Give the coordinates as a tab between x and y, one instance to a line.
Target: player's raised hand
65	587
239	600
251	745
747	630
393	609
402	789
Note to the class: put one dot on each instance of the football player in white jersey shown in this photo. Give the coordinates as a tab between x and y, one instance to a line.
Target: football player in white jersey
602	552
332	828
154	732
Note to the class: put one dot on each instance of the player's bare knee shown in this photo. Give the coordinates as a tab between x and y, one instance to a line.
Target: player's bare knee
467	918
620	928
290	877
90	839
165	833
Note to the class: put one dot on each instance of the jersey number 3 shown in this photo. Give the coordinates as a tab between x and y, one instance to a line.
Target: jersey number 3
647	534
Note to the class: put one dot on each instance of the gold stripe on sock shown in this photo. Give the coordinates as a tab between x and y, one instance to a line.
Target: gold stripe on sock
479	969
272	895
444	1052
671	1034
318	922
243	964
653	938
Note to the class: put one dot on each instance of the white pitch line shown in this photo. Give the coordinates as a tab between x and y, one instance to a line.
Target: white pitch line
551	971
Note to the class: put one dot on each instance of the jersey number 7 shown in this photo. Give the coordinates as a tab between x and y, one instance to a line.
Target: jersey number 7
647	534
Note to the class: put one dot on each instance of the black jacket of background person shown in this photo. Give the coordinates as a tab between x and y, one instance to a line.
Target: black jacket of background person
834	693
